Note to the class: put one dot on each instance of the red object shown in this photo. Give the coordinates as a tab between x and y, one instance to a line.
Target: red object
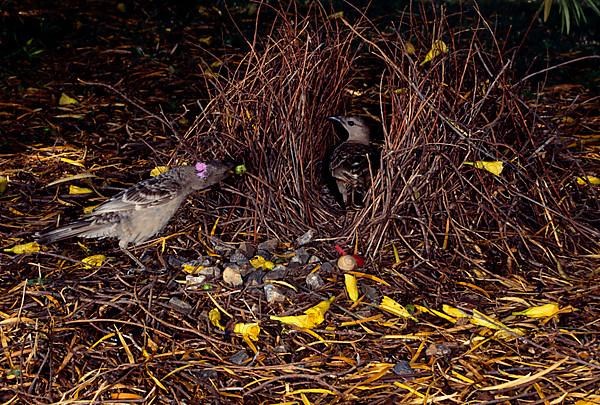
340	250
359	260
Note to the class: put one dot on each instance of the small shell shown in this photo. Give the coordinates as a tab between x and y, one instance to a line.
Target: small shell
346	263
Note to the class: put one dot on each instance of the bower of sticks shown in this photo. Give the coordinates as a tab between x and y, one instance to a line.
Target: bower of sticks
464	250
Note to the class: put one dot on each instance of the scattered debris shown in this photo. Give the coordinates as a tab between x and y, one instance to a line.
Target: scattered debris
346	263
314	281
232	276
306	238
180	305
273	294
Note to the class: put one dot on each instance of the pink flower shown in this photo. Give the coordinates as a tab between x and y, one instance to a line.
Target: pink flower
201	169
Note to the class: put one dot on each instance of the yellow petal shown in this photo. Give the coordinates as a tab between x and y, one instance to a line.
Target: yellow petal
335	16
359	274
191	269
322	306
391	306
259	262
409	48
93	261
351	286
75	190
541	311
509	334
439	47
301	321
435	312
593	180
3	184
31	247
250	330
505	332
312	316
89	210
215	318
443	315
494	167
66	100
159	170
454	312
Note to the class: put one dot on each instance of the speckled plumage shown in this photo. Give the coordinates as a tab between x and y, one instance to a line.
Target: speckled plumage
142	211
353	161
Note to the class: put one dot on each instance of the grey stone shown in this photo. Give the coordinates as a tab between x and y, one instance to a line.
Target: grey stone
314	259
327	267
278	273
238	258
239	358
174	261
371	293
314	281
194	282
179	305
306	238
247	249
264	253
269	245
220	247
273	294
245	269
301	256
402	368
281	349
200	261
211	271
255	278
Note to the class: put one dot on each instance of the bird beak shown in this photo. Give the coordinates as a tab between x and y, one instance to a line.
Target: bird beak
229	167
335	119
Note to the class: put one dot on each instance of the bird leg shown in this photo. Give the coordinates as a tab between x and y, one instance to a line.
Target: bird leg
343	191
132	257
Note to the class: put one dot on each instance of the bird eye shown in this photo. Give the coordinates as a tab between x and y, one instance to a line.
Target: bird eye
351	123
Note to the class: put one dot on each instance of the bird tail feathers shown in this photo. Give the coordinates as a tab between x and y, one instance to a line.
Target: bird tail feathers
80	228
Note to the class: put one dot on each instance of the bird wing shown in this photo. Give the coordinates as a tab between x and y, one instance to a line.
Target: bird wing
147	193
350	162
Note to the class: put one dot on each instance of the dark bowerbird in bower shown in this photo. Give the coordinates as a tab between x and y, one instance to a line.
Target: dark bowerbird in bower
354	161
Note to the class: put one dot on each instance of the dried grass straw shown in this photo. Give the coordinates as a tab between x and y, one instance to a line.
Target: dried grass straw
269	108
